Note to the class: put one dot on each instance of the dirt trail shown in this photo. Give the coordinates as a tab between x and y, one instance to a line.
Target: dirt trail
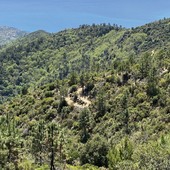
83	101
164	70
69	101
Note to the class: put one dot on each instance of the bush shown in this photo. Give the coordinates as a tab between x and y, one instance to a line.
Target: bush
120	153
95	152
110	79
48	94
73	88
89	86
51	86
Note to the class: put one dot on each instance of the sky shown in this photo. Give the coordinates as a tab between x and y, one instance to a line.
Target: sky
56	15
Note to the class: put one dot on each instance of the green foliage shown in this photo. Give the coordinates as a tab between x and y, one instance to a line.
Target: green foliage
119	153
152	88
48	94
101	106
84	167
26	165
95	152
154	155
10	142
58	92
73	89
38	144
83	125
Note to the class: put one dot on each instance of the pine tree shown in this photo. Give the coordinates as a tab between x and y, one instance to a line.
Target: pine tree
52	137
10	142
152	88
144	66
38	142
83	125
101	106
125	111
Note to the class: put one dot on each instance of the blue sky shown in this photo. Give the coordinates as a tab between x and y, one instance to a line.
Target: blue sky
56	15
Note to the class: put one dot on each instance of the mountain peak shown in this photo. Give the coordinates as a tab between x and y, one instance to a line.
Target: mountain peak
8	34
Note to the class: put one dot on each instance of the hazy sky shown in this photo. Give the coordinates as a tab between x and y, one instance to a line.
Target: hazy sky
55	15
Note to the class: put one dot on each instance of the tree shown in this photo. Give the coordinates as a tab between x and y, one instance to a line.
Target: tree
119	153
83	125
101	106
38	142
52	143
10	142
73	79
95	151
61	147
124	104
56	141
152	89
144	66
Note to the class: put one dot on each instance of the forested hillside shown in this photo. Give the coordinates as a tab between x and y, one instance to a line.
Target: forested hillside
95	97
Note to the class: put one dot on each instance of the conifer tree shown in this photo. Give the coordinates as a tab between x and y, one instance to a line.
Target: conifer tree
83	124
38	142
53	130
10	142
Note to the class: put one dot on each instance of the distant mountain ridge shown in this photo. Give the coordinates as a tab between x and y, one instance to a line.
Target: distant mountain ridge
9	33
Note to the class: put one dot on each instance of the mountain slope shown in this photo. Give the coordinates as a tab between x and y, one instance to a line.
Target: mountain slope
52	56
150	36
45	56
86	98
8	34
